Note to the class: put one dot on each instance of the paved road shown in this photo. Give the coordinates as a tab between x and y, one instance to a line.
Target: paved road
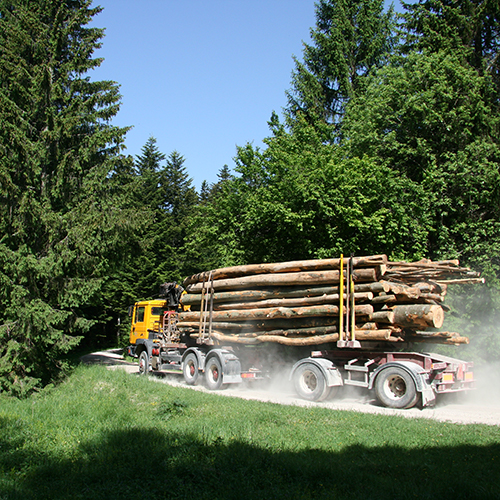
480	406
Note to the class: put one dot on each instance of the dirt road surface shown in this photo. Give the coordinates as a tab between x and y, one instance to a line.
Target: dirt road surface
481	406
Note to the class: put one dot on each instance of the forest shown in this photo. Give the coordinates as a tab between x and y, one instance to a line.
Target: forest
389	143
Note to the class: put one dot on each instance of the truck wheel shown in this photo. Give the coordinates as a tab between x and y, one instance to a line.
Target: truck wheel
310	383
213	374
190	369
395	388
144	363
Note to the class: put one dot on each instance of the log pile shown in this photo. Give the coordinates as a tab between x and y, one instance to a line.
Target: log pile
314	302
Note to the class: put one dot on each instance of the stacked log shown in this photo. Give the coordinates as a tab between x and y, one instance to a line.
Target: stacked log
314	302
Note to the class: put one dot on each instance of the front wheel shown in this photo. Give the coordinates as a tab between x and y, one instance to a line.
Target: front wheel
395	388
144	363
310	383
190	369
213	374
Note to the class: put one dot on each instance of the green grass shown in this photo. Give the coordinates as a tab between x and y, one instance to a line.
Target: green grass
105	434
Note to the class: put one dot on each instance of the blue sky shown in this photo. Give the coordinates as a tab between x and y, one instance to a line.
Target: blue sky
201	76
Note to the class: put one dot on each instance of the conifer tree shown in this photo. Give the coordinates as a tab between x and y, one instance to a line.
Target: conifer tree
350	40
62	221
149	168
179	200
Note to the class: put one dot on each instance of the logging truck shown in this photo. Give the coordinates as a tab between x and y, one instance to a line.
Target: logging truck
202	338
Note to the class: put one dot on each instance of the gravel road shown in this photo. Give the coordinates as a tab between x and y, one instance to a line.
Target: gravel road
481	406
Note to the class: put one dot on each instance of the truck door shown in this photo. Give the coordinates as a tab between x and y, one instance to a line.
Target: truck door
139	328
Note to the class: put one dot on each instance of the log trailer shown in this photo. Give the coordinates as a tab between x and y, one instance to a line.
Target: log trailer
399	379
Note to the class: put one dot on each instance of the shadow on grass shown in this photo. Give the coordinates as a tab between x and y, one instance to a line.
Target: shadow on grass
139	464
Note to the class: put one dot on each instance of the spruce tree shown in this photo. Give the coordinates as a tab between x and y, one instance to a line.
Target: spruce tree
62	222
350	40
179	200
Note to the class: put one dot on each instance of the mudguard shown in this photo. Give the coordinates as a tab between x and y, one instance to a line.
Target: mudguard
330	371
231	366
200	356
418	375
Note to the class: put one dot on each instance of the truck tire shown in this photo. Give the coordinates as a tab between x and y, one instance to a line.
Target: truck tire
144	363
190	369
310	383
213	373
395	388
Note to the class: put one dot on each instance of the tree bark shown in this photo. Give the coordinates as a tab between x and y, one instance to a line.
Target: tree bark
419	315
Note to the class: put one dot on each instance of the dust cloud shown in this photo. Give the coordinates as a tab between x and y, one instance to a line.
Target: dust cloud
487	391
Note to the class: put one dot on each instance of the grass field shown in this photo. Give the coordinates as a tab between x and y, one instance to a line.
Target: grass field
105	434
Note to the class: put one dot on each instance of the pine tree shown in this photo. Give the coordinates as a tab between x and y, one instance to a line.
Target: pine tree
62	220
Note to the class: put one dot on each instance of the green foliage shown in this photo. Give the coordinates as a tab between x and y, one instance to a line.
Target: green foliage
385	148
444	137
301	198
57	444
467	27
62	218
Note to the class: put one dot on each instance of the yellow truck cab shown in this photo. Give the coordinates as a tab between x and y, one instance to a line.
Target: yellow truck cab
146	317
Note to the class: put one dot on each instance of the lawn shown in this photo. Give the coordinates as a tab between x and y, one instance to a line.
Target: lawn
106	434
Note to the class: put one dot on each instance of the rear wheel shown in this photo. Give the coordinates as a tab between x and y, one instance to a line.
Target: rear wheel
310	383
190	369
144	363
213	374
395	388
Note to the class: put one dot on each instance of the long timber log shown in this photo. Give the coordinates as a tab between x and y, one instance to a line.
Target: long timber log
377	335
303	325
293	302
411	316
275	313
283	292
437	340
414	315
286	267
300	278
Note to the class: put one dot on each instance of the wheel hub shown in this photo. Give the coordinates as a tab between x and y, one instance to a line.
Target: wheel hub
396	387
310	382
